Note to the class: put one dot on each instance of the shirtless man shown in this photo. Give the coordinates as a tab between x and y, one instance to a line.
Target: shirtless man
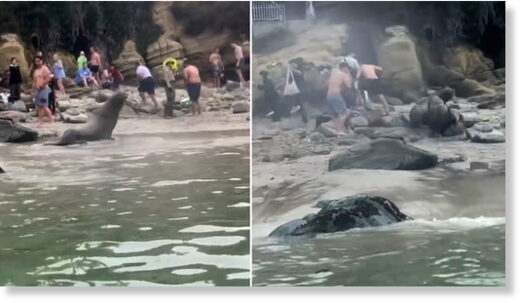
370	82
95	63
239	56
338	80
40	85
217	66
192	83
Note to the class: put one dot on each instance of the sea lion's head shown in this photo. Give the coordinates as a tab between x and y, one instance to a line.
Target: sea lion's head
116	101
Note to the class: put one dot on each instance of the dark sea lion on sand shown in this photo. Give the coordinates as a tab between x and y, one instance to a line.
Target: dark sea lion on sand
99	126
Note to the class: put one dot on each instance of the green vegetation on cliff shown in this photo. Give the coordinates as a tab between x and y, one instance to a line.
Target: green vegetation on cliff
74	26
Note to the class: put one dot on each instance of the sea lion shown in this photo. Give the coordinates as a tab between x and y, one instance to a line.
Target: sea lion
99	126
356	211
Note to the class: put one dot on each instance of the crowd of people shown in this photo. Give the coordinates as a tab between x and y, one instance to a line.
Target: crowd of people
349	85
48	80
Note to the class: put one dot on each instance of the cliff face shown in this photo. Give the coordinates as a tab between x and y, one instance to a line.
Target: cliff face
124	32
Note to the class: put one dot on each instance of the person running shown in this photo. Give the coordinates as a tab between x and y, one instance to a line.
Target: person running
271	96
59	73
95	63
239	56
117	76
217	67
339	79
15	80
368	81
81	60
40	86
146	84
169	81
84	77
193	85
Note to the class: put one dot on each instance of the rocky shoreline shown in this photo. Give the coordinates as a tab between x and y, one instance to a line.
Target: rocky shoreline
226	108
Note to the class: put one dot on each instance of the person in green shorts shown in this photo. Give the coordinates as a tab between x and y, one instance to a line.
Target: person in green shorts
81	60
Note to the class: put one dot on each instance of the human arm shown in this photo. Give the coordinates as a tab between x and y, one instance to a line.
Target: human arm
185	75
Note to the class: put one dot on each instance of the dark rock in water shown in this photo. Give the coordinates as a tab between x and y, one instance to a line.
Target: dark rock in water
357	211
1	170
239	108
402	133
495	136
388	154
11	132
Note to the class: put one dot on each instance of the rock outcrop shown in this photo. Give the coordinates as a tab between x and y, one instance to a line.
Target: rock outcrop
14	133
398	58
470	62
389	154
357	211
128	61
11	46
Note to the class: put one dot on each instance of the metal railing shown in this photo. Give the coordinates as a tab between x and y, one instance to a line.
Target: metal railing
268	11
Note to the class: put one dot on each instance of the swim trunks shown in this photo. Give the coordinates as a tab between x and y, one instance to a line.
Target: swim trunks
41	98
147	85
336	104
194	91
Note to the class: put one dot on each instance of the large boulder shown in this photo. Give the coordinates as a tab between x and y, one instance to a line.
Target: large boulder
471	62
18	106
11	46
358	211
388	154
128	61
164	47
12	132
397	55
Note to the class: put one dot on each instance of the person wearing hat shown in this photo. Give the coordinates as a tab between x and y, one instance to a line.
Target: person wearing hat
81	60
